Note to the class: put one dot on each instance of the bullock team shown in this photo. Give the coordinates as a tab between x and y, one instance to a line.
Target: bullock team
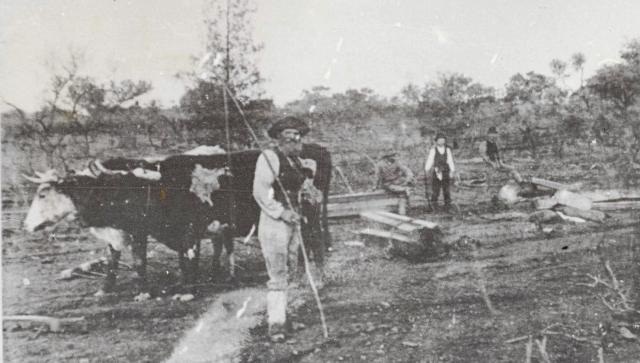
281	191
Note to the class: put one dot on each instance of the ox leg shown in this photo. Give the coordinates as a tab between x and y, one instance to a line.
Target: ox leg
182	264
229	248
187	257
140	261
112	269
217	239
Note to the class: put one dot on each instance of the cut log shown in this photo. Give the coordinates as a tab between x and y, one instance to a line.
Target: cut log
383	237
420	222
555	185
617	205
346	205
571	199
546	203
570	218
392	222
509	193
428	247
611	195
491	232
590	215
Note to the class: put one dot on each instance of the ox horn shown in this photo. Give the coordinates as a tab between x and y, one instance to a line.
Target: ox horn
32	179
102	169
46	177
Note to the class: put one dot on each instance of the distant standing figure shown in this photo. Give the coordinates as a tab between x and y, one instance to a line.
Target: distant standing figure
490	153
440	159
395	178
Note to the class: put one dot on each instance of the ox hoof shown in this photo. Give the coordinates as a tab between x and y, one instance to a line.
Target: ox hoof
143	296
183	297
99	293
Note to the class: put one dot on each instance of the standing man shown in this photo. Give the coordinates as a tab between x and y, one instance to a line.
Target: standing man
490	153
280	218
440	159
395	178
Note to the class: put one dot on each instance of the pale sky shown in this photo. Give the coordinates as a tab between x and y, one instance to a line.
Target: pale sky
381	44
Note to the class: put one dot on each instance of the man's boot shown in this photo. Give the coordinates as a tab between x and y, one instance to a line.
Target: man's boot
277	315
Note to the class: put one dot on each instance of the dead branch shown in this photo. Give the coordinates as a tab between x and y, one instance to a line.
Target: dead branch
528	350
623	303
482	286
55	324
517	339
542	348
600	355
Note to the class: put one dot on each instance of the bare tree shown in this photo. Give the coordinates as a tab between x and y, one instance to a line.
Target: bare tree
559	69
577	61
76	109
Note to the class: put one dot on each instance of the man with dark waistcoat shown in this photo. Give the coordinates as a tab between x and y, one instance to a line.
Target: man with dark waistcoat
280	217
440	159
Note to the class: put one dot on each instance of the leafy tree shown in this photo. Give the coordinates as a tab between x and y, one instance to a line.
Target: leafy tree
231	60
231	51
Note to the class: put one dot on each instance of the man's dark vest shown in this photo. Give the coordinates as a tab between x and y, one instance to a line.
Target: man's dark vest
291	176
492	151
440	161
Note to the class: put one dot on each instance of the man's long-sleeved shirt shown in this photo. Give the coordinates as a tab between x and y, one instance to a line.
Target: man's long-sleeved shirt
432	155
393	174
263	184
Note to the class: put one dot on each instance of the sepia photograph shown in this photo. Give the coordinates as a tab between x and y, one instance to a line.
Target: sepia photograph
320	181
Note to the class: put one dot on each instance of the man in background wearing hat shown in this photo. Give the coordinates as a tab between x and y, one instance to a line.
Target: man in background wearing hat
440	159
490	153
280	217
395	178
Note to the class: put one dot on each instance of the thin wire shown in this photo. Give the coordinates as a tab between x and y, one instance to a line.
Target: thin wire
298	231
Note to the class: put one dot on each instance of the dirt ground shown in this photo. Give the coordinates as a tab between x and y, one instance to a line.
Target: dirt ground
378	308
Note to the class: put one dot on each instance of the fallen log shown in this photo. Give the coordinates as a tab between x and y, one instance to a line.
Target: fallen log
54	324
611	195
546	203
617	205
590	215
420	222
490	233
571	199
555	185
428	247
347	205
400	225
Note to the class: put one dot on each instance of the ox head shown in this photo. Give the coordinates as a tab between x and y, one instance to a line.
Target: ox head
50	204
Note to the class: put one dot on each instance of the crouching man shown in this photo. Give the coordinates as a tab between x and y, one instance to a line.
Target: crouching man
395	178
279	225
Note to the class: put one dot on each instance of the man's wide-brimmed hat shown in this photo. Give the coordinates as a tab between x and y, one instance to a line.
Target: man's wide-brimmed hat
440	135
492	131
289	122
